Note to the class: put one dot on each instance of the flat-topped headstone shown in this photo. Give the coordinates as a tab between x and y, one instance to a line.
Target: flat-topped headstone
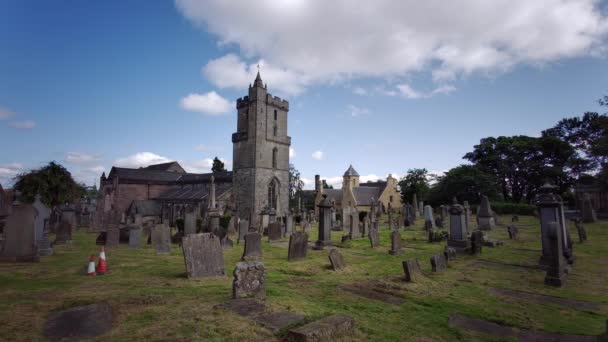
336	260
19	243
161	238
477	242
249	280
332	328
274	231
112	236
243	230
396	248
411	268
438	263
374	238
135	237
253	247
190	221
298	246
203	255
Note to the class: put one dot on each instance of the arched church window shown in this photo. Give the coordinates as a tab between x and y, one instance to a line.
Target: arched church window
275	115
272	194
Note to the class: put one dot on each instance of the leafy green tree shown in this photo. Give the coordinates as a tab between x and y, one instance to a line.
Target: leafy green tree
53	182
218	165
295	185
466	182
416	181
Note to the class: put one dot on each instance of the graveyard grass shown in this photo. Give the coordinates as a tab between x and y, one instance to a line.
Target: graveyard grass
153	300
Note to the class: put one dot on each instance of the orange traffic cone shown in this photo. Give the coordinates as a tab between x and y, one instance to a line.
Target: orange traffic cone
102	268
91	268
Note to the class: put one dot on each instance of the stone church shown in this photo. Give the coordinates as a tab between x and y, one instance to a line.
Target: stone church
259	180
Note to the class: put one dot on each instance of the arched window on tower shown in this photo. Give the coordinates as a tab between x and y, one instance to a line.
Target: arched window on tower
274	157
275	115
274	129
272	194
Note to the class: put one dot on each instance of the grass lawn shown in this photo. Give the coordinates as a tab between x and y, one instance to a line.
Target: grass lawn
153	300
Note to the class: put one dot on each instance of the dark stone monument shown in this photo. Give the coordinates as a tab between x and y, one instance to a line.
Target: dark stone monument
134	237
438	263
582	233
336	260
555	263
19	243
477	242
513	232
485	215
249	280
203	255
374	237
325	224
396	248
274	231
161	238
298	246
459	230
412	270
253	247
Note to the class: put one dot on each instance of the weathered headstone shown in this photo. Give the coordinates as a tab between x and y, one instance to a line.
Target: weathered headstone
324	239
582	233
243	230
253	247
289	224
429	220
588	213
412	270
336	260
43	215
333	328
190	221
354	230
551	209
374	237
112	236
396	248
458	229
249	280
298	246
19	243
485	215
556	263
203	255
438	263
233	226
513	232
477	242
274	231
161	238
227	242
134	237
346	219
450	253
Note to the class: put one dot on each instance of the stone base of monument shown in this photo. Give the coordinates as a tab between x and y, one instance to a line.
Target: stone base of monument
461	246
485	223
396	252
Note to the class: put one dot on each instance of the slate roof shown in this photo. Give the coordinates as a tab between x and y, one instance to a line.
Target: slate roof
379	184
163	166
220	177
351	172
145	208
364	194
193	194
143	175
333	194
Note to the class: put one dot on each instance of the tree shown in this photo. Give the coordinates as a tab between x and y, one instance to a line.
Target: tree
414	182
218	166
327	186
295	185
466	182
53	182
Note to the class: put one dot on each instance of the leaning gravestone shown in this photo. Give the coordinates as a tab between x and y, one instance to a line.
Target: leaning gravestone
298	246
19	243
374	238
336	260
396	248
412	270
249	280
438	263
161	239
135	237
274	231
203	255
253	247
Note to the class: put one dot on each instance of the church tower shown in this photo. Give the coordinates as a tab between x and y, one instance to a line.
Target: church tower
261	153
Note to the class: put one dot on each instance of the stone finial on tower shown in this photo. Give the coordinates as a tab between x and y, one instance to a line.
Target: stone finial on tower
258	81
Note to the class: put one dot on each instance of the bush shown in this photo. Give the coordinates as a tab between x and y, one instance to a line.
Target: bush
513	208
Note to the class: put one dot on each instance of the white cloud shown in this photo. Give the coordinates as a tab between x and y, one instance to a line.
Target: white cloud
203	165
336	181
140	159
356	111
317	155
210	103
230	71
26	124
292	153
318	41
81	158
9	171
360	91
410	93
5	113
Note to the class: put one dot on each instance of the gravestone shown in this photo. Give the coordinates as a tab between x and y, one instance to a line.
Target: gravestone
556	263
253	247
336	260
458	229
233	226
345	219
324	239
243	230
588	213
374	237
298	246
19	243
161	238
112	236
429	219
63	233
396	248
485	215
355	232
515	218
44	244
333	328
477	242
190	221
274	231
203	255
249	280
551	209
227	242
412	270
513	232
417	211
43	215
214	222
265	218
582	233
467	215
289	224
438	222
134	237
438	263
450	253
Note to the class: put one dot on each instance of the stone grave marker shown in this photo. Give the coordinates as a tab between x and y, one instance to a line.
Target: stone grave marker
134	237
324	238
19	243
485	215
298	246
582	233
513	232
333	328
476	242
556	264
274	231
43	215
203	255
112	236
412	271
161	238
450	253
438	263
227	243
249	280
374	238
253	247
190	221
355	233
429	220
396	248
289	224
243	230
336	260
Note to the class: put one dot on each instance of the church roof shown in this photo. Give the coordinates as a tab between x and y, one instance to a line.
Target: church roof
333	194
364	194
219	177
165	167
193	193
351	172
143	175
379	184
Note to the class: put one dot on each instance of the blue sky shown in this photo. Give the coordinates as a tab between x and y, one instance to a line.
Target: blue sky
100	83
